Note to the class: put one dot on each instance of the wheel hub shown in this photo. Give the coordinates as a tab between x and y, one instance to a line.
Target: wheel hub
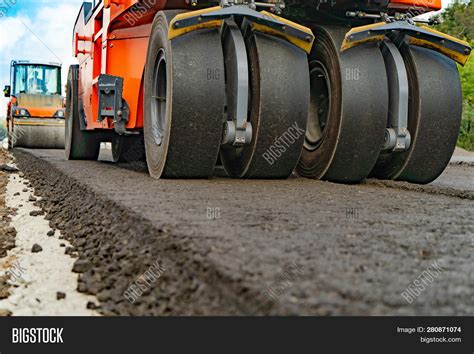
320	106
158	103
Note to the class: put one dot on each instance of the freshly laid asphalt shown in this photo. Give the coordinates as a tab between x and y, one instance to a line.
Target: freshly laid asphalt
254	247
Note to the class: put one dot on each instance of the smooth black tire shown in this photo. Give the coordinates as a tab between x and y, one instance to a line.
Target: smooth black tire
279	103
79	144
128	148
184	101
348	111
435	113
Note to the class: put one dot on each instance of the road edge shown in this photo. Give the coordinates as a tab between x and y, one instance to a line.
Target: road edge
191	285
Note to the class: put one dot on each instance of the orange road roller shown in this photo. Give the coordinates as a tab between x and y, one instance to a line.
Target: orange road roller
334	90
35	112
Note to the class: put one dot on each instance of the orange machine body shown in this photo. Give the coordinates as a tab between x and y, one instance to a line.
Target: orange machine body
416	7
33	110
114	41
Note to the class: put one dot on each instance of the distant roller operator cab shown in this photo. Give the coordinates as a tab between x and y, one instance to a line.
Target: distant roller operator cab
35	112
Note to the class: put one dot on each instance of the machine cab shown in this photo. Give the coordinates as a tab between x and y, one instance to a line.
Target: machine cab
36	89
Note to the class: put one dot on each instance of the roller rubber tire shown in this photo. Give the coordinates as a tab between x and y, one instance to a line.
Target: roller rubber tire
183	131
357	87
80	144
279	103
435	113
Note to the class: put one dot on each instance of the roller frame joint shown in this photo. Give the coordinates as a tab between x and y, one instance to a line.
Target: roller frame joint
236	137
397	137
237	129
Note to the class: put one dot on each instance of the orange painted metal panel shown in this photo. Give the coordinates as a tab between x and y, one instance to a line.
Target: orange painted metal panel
417	6
114	41
126	58
42	111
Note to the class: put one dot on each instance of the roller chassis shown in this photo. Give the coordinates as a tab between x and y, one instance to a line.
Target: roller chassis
333	148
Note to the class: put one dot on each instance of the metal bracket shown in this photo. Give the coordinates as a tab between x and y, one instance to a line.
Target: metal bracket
244	11
263	21
397	137
277	7
403	31
237	129
111	103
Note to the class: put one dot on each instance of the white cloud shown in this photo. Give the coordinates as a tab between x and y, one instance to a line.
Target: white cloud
43	35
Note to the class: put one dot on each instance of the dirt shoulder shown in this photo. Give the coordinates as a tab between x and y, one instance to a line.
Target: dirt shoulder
7	233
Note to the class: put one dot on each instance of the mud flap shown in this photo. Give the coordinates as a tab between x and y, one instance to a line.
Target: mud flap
264	22
403	31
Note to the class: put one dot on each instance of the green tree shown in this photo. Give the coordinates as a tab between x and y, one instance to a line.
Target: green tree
458	20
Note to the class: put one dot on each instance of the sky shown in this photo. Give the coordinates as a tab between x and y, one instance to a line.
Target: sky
38	30
35	30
